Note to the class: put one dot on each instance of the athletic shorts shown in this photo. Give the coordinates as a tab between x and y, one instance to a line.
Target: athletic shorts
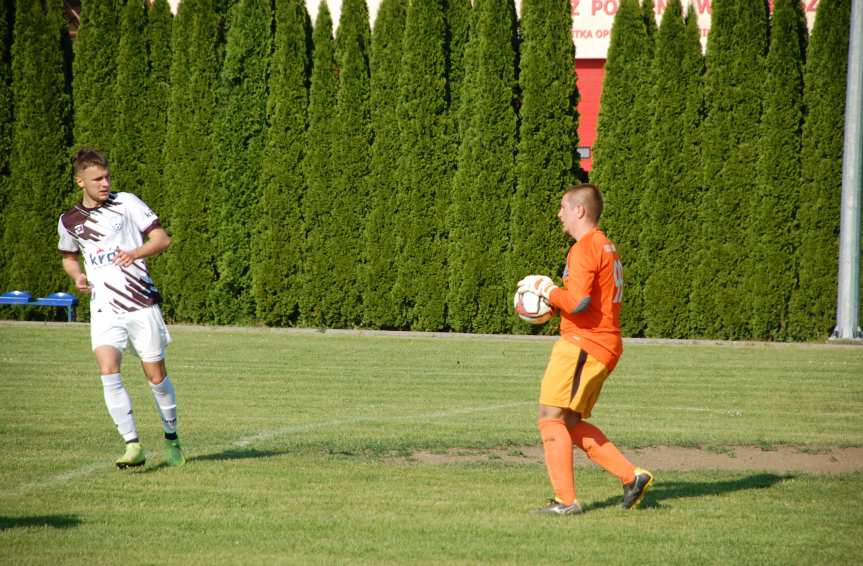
573	379
145	328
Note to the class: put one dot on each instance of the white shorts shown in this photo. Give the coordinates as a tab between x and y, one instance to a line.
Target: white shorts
145	328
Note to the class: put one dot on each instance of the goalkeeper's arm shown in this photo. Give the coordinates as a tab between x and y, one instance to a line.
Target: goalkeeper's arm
566	301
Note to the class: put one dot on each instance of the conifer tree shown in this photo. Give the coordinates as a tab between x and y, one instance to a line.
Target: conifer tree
239	139
648	14
319	171
424	169
620	151
129	170
39	161
772	233
343	247
7	13
94	73
277	243
672	189
813	303
190	159
546	162
485	181
459	15
159	23
385	57
737	42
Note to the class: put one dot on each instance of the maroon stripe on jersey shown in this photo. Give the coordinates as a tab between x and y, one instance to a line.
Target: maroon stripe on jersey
151	227
136	298
120	306
75	222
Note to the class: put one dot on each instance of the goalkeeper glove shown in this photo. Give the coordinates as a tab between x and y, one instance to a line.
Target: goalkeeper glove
539	284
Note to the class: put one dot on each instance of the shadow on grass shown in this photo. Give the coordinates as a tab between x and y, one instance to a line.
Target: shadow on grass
55	521
218	457
666	490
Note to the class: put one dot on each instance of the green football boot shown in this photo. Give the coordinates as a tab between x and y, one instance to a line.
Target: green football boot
175	453
133	457
633	492
555	507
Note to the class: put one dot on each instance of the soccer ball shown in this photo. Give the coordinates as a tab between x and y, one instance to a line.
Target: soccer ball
531	308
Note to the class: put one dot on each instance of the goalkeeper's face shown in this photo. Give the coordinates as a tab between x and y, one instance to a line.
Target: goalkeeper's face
570	214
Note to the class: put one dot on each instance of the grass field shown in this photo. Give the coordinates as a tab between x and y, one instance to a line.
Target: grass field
302	450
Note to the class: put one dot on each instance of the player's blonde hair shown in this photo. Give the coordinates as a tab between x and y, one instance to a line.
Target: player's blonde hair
88	157
588	196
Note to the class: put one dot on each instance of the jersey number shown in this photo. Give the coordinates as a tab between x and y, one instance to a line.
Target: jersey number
618	281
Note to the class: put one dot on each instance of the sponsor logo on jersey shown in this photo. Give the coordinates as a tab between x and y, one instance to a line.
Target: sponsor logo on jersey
101	258
117	226
79	229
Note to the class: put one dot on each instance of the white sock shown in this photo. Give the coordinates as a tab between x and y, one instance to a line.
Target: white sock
119	406
166	403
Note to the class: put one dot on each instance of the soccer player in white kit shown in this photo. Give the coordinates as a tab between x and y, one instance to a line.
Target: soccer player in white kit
112	233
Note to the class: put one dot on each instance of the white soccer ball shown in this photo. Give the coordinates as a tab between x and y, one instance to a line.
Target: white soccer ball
530	307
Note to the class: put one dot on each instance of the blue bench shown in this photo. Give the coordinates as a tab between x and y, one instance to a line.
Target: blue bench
59	300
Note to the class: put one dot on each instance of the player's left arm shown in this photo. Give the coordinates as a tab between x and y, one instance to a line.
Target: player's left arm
575	298
158	241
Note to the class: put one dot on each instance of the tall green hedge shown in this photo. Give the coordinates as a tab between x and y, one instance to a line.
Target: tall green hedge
277	243
458	19
320	173
95	72
345	246
813	304
423	169
621	150
734	90
771	274
190	160
7	13
129	169
385	54
546	160
239	140
39	161
159	23
484	183
671	190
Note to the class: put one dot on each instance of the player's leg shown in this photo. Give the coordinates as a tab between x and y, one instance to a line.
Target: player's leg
557	449
108	338
119	405
556	441
593	441
150	336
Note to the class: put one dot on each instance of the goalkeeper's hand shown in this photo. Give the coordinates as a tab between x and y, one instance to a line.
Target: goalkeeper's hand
539	284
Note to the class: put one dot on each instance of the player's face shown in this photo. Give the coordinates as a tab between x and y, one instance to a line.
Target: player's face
569	214
96	182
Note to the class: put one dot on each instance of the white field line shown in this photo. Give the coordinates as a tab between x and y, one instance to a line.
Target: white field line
39	485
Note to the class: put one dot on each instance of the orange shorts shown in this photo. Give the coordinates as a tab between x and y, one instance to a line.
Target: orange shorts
573	379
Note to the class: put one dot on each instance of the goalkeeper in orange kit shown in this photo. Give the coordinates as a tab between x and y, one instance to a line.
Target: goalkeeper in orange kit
586	353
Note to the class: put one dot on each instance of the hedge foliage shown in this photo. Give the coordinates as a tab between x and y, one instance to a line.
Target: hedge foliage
406	176
278	240
671	191
813	304
620	155
546	159
39	160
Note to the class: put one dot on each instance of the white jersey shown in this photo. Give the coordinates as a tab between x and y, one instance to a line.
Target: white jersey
120	223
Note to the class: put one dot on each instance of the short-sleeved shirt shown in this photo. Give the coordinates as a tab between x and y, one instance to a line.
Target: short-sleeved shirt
120	223
593	269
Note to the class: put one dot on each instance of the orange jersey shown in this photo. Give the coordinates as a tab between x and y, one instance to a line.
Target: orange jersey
593	270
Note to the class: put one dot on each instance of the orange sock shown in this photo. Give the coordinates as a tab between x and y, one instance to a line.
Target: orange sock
601	450
557	445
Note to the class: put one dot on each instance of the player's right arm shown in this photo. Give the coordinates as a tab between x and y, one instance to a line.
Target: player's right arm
72	267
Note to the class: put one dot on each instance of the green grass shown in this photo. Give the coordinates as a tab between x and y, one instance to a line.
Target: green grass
299	452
